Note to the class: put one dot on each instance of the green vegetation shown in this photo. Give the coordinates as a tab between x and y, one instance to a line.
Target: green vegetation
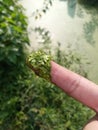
39	62
26	101
91	3
13	72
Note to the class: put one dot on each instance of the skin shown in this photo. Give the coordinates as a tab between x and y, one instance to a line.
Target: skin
75	86
92	124
71	83
79	88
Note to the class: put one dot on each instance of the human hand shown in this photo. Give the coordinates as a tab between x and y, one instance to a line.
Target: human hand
71	83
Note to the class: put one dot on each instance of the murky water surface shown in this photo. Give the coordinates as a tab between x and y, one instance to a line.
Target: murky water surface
68	23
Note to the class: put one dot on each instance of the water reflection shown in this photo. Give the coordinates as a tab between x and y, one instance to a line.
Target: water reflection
91	25
71	7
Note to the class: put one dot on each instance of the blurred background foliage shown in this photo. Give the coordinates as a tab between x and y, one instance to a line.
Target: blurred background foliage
48	3
90	3
26	101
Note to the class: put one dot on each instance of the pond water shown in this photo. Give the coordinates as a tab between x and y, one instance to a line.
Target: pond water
68	23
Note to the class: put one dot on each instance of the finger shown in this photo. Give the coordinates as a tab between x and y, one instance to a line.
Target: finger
75	85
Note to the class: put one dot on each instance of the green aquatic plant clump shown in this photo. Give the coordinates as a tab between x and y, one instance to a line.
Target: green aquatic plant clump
39	62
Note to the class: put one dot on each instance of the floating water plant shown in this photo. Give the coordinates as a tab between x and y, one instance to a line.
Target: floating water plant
39	62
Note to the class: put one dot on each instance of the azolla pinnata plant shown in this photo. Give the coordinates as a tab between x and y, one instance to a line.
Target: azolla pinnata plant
39	62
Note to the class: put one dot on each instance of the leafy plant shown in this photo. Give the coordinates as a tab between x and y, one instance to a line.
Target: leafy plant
13	72
39	62
39	12
26	101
